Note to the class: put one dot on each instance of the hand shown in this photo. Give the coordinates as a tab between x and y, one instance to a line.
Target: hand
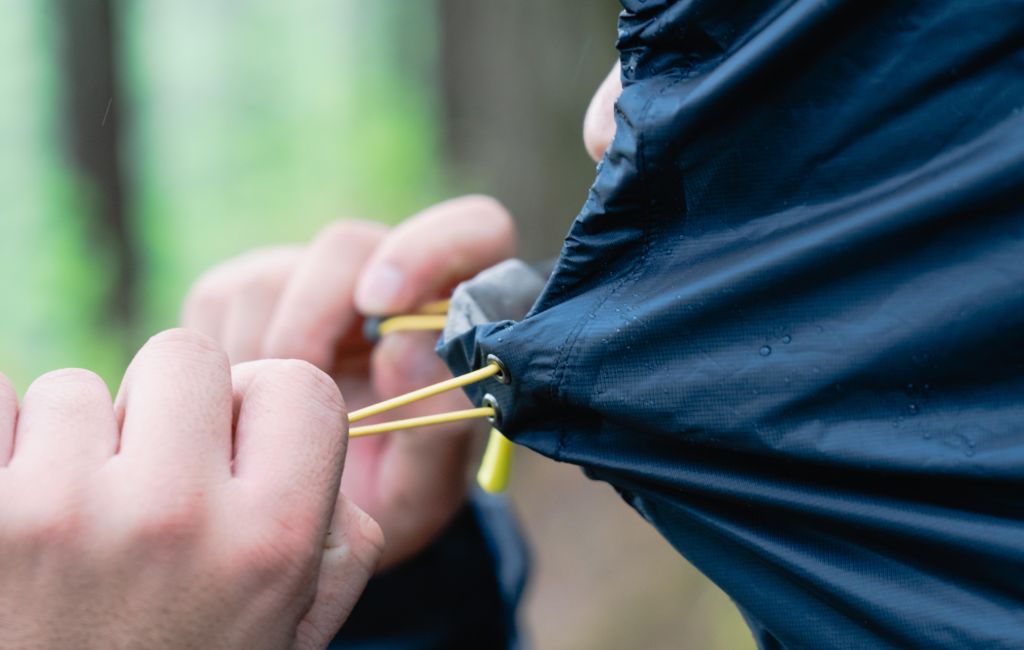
306	303
190	515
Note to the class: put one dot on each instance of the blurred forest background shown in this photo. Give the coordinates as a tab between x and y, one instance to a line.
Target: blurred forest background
142	142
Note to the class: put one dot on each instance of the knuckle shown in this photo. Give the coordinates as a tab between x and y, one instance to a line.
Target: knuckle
205	295
185	344
256	287
69	385
303	378
163	525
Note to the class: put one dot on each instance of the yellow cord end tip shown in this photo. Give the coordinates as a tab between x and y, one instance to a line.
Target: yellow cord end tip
496	464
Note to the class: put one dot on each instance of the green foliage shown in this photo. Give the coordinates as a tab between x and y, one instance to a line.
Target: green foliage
257	123
55	275
248	124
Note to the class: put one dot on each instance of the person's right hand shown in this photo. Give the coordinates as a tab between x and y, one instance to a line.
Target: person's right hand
194	513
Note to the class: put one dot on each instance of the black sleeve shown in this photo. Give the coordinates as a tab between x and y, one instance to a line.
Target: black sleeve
460	592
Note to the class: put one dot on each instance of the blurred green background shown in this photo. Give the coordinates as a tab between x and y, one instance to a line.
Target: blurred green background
231	125
142	142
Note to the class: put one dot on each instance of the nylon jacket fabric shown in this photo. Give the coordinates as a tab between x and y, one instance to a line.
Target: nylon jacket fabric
788	323
462	591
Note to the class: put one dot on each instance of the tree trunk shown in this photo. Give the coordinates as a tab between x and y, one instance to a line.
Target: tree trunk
92	121
517	78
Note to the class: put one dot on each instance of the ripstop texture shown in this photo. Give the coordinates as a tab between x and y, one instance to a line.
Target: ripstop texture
788	323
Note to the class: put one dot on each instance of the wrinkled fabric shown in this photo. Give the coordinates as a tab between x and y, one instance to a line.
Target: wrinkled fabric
504	291
788	323
462	591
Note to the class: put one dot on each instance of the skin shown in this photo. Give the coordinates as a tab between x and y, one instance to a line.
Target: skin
200	510
599	121
309	302
202	507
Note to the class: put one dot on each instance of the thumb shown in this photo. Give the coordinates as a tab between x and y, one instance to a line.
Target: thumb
428	254
354	546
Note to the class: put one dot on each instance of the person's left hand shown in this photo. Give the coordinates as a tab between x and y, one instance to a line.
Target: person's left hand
307	303
198	510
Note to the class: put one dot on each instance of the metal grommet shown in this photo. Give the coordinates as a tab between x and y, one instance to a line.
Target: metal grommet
503	376
492	402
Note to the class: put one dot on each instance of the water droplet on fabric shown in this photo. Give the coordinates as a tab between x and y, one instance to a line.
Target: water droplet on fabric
765	350
787	339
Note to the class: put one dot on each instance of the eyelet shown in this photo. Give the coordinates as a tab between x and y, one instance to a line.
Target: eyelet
503	375
492	401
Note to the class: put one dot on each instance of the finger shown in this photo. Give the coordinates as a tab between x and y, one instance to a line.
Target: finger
206	304
316	309
421	474
8	417
354	546
175	405
290	435
208	301
66	420
248	317
599	122
427	255
405	362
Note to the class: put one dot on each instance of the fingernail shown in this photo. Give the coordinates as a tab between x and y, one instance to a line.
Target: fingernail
379	290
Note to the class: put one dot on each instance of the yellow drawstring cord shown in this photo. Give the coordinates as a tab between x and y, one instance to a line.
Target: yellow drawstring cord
422	421
422	323
496	464
430	317
437	307
489	370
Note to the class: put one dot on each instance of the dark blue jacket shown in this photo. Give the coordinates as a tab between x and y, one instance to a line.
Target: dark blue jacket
461	592
788	324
